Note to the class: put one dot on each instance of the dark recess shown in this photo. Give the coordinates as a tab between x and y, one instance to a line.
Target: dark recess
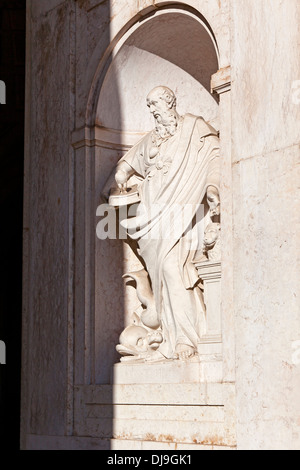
12	72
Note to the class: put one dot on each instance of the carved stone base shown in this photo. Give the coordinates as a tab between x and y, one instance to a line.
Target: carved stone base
210	347
210	274
169	404
173	372
160	414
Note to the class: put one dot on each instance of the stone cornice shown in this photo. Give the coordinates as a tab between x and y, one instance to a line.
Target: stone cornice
221	81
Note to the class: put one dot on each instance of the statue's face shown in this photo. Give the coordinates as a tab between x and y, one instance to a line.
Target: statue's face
151	341
211	235
154	339
142	344
158	107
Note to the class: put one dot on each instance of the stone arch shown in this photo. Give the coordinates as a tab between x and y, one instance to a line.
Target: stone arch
195	38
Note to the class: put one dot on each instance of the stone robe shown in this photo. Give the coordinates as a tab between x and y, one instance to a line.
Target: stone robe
173	186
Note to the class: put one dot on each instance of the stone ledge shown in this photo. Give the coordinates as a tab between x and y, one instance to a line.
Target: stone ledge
208	369
104	138
201	414
162	373
148	445
221	81
202	394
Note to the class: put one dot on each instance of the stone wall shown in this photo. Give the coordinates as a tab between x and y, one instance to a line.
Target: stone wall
48	218
78	55
265	168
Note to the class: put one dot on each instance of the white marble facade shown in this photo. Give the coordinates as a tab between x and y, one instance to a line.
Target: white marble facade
90	65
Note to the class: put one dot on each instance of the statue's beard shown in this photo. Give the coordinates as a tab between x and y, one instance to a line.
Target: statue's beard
166	124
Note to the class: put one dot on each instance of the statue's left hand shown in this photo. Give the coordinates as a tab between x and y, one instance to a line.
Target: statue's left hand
213	200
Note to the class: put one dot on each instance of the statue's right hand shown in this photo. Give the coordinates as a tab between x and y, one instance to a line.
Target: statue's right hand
121	180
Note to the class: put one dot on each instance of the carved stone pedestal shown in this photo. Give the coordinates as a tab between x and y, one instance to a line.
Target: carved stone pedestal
210	344
157	407
174	404
169	405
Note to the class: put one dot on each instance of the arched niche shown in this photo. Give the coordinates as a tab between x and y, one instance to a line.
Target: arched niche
172	47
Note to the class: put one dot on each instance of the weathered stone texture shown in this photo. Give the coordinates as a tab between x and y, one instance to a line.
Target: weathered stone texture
47	216
266	196
67	162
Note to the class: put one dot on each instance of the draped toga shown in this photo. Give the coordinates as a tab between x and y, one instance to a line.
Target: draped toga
173	186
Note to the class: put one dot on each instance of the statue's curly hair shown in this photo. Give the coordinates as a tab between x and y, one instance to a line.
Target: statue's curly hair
167	95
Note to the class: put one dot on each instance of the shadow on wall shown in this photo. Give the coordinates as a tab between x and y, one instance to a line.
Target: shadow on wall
12	73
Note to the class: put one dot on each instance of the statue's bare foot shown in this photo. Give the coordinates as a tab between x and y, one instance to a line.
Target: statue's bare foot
154	356
183	352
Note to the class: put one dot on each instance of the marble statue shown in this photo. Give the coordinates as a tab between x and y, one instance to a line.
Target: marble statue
212	242
178	167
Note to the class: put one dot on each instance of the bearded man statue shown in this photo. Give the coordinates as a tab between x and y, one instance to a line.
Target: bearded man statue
178	164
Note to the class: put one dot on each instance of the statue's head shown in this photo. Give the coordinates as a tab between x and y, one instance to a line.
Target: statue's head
162	104
162	99
211	235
